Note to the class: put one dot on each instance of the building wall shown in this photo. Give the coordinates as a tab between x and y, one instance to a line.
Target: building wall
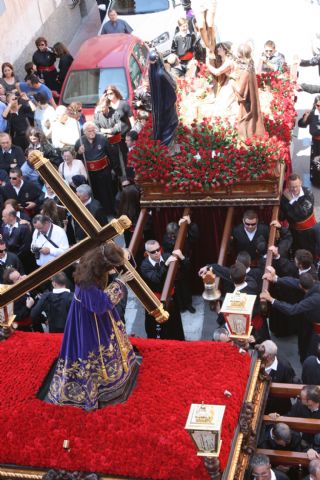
22	21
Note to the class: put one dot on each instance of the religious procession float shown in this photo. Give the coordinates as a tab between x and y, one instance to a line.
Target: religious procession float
196	408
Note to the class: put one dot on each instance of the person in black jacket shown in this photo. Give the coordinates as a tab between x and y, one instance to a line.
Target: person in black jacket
261	468
55	304
311	118
153	270
247	234
10	155
311	369
279	437
307	309
84	192
296	206
8	259
28	194
65	61
183	43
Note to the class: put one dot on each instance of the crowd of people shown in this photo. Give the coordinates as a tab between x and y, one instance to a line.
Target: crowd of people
91	157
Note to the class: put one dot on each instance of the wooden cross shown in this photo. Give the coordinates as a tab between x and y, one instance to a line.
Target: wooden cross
96	236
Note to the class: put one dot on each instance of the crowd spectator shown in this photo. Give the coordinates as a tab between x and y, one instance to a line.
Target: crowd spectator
128	203
11	156
271	60
65	62
44	115
94	148
183	42
261	468
311	118
44	58
247	235
21	306
28	194
17	235
3	106
54	305
84	193
48	240
64	130
311	369
71	166
19	116
30	69
115	25
8	259
32	86
9	79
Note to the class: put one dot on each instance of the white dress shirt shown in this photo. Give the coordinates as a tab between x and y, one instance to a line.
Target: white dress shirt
58	236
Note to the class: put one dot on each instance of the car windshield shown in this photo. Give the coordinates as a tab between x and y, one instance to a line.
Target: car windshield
87	86
139	6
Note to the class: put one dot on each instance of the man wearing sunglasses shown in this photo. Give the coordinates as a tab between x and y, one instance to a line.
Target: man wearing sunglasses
271	60
28	194
249	234
154	270
8	259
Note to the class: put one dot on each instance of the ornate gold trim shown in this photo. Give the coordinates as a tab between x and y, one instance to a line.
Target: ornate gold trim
160	314
120	224
37	159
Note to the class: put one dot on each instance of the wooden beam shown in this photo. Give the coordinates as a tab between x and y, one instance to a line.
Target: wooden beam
173	266
288	390
138	231
272	237
283	457
225	241
310	425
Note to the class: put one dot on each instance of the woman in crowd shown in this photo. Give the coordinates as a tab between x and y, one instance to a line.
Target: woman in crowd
74	110
128	201
65	61
30	69
51	209
226	104
44	115
9	79
44	59
94	339
123	109
65	131
71	166
250	120
19	114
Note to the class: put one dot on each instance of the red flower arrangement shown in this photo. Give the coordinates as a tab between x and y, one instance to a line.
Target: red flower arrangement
209	154
141	438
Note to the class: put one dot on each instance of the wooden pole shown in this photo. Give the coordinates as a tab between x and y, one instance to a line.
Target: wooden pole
138	232
272	237
173	266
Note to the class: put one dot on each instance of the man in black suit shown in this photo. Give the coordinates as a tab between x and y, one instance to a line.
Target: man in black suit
247	234
153	270
28	194
280	371
84	193
8	259
261	468
279	437
16	235
307	309
10	155
311	369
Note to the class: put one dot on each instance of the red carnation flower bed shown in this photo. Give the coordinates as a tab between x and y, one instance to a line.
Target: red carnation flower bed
144	437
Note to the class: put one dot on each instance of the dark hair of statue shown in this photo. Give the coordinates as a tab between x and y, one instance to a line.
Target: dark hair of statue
93	268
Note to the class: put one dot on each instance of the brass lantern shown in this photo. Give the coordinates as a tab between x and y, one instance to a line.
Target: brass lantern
204	425
237	310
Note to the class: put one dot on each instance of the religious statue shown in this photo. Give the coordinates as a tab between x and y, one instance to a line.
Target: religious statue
204	11
97	363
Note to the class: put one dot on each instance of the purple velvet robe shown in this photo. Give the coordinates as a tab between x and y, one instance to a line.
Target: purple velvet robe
96	357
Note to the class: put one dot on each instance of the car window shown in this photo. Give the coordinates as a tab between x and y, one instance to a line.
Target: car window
87	86
139	6
135	72
141	52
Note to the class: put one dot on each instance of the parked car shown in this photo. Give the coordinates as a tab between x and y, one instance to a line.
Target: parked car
155	21
116	59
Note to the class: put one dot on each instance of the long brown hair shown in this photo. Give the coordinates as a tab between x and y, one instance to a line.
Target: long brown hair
94	266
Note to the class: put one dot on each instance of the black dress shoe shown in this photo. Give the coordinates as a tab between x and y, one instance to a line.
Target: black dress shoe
191	309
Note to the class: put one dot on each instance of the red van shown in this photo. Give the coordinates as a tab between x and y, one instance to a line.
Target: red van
115	59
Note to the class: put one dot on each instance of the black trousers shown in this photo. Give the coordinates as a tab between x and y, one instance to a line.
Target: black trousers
101	182
170	330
